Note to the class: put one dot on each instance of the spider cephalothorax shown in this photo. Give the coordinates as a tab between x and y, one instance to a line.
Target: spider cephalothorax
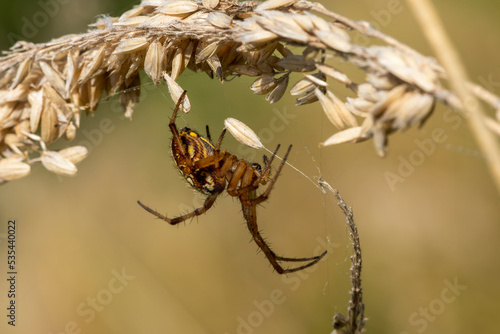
211	171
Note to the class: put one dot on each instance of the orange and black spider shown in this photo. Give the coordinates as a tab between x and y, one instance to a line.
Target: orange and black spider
208	170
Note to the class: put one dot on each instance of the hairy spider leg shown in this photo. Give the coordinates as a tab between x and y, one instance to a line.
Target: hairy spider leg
250	213
207	205
245	175
265	194
175	132
217	148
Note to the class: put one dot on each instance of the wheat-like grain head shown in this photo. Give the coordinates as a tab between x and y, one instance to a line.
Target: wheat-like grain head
45	87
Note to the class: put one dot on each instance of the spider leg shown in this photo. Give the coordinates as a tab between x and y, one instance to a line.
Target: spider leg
265	195
250	214
175	132
173	221
242	177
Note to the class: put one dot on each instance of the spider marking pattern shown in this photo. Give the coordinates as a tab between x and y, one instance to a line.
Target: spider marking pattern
211	171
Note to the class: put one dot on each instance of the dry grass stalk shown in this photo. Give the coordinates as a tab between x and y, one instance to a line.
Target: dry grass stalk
45	87
354	323
483	128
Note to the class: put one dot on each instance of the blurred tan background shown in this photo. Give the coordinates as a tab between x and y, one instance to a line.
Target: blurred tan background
92	261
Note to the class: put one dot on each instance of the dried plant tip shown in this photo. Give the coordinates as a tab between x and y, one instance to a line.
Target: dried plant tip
12	168
273	4
176	91
131	45
242	133
74	154
57	163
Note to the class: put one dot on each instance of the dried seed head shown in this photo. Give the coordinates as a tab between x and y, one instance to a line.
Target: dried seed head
176	91
297	63
256	37
92	62
284	27
131	22
406	68
242	133
54	78
318	80
131	45
57	163
245	70
344	136
309	97
134	12
35	99
335	110
70	131
219	20
177	63
210	4
264	84
334	40
273	4
74	154
153	63
207	52
180	8
216	66
277	93
49	123
359	106
334	73
22	72
13	168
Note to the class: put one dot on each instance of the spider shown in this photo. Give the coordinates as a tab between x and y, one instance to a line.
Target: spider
209	169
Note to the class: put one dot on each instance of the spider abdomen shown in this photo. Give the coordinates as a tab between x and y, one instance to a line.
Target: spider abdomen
203	179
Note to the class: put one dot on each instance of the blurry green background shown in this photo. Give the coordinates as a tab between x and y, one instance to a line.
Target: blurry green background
76	235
